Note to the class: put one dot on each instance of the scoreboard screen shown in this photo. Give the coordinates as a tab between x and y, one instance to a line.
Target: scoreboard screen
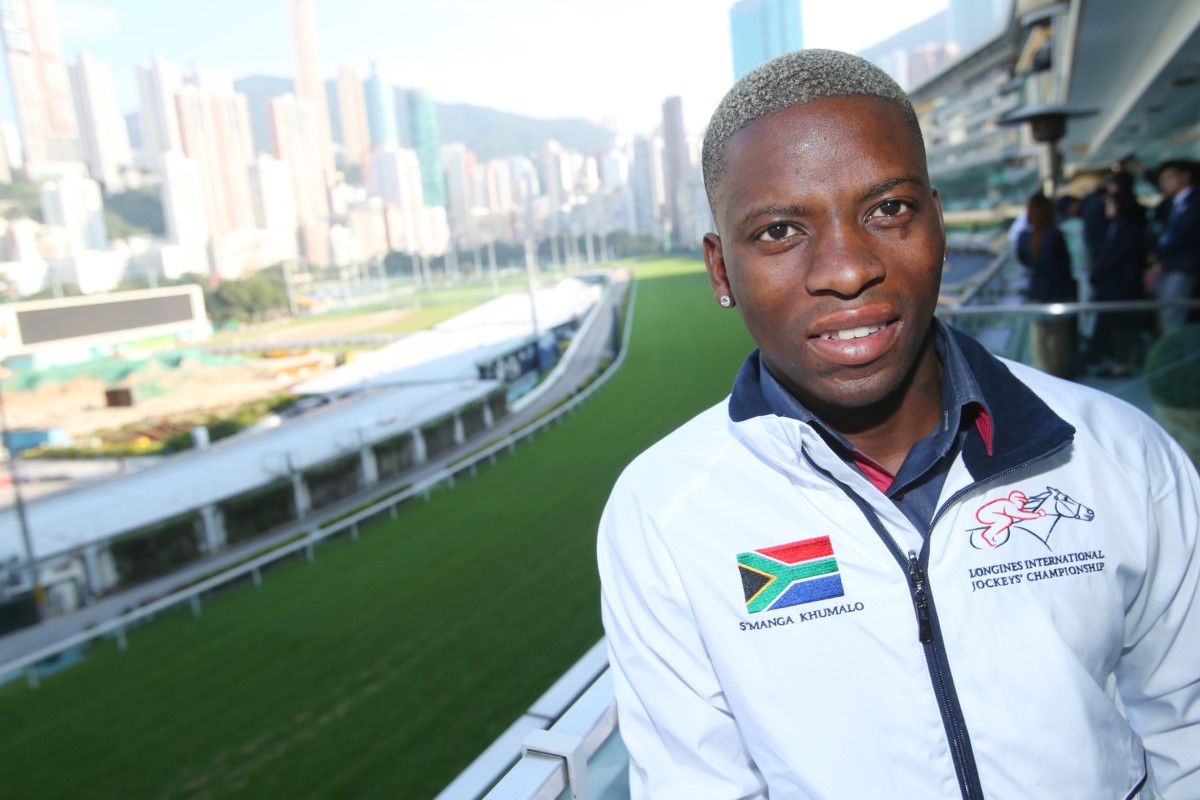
41	325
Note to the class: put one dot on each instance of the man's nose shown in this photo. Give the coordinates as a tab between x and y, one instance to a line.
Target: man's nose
843	262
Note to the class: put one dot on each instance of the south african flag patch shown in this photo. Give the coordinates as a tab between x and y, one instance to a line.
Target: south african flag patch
789	575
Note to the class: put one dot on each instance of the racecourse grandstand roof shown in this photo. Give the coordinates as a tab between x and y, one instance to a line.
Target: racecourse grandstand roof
99	511
452	349
420	379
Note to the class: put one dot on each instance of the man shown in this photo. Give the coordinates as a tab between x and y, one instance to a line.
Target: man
793	601
1177	253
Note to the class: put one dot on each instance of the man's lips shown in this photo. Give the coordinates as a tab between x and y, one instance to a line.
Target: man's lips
851	333
853	342
853	323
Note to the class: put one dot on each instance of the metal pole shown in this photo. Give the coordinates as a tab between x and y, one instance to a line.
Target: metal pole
293	308
1051	168
492	267
531	280
19	502
383	276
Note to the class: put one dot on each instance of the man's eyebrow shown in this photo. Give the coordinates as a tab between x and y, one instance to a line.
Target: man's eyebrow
885	186
793	210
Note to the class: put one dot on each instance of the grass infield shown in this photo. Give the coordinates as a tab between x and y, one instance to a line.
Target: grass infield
385	667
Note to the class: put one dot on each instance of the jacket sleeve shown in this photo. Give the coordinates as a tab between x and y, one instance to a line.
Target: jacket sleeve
1158	675
683	742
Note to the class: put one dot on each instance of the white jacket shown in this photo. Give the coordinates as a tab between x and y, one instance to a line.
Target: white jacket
1062	650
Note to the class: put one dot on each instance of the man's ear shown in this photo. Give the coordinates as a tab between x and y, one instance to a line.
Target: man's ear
714	262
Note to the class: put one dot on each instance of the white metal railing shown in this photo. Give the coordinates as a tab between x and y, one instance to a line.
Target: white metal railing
1064	309
555	760
551	709
191	596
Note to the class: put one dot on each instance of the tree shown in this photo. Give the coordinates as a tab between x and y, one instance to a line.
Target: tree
21	199
249	299
141	209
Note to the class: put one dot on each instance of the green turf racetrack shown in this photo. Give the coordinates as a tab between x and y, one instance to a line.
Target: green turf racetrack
383	668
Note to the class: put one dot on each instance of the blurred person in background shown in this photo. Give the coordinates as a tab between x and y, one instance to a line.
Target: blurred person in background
1118	275
1043	249
1176	267
1068	210
1095	223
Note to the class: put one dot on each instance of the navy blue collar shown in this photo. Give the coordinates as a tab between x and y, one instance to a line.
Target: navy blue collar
961	395
1023	427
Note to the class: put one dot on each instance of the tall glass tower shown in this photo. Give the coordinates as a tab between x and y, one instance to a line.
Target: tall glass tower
422	115
762	30
381	109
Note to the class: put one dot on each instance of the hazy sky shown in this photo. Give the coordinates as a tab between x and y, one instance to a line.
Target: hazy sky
606	60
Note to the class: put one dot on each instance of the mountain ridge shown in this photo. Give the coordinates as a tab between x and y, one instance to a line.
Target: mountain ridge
487	132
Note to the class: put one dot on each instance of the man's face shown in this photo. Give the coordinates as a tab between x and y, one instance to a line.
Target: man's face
1171	181
831	245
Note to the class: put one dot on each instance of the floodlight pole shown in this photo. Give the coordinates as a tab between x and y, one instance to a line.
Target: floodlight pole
531	278
492	268
19	501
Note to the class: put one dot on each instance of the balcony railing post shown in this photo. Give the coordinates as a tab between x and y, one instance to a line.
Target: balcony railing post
566	747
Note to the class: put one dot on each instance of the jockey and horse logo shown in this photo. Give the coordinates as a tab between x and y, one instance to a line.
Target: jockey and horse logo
1038	515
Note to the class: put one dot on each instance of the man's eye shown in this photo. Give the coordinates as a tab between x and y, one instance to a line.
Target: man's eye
890	208
777	232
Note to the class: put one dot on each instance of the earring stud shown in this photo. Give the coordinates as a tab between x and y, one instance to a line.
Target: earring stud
726	301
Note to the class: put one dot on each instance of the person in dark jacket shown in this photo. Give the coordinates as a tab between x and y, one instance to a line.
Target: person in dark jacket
1177	252
1043	249
1118	275
1095	224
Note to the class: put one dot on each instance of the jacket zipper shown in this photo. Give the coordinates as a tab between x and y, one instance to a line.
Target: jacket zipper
935	656
935	651
917	576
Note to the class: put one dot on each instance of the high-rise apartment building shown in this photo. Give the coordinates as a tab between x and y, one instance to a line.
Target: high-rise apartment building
381	109
40	87
500	182
646	180
183	202
557	173
422	115
271	190
295	140
274	203
101	127
397	176
526	185
614	169
10	142
310	86
480	188
214	129
158	81
458	163
413	226
761	30
676	173
73	202
352	110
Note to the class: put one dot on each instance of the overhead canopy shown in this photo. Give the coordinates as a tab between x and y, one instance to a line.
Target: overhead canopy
1138	65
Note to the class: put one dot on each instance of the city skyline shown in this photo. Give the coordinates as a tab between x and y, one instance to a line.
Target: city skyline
614	68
